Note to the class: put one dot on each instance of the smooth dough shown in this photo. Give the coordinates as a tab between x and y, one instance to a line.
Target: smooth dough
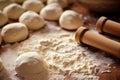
13	11
32	20
14	32
52	11
4	3
3	19
31	66
1	65
34	5
70	20
63	3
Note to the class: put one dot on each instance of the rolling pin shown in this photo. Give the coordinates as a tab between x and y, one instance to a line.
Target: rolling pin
86	36
105	25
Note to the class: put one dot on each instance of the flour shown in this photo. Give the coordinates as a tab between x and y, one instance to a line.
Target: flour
64	56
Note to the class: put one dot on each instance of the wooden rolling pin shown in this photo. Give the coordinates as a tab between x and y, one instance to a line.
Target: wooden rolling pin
84	35
105	25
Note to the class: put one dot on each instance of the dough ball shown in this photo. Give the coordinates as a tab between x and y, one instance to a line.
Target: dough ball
14	32
63	3
31	66
32	20
1	65
13	11
3	19
70	20
4	3
52	11
18	1
34	5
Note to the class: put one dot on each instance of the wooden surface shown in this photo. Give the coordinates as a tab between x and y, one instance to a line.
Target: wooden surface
90	22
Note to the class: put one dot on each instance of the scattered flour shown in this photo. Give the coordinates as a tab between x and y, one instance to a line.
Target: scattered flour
65	56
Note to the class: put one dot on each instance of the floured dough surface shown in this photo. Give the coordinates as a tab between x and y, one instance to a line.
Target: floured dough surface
62	54
31	66
14	32
70	20
32	20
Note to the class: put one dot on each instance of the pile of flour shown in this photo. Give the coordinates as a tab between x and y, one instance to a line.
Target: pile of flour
64	56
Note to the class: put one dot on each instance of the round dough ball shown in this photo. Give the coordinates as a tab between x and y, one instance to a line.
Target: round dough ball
13	11
18	1
3	19
1	65
31	66
32	20
33	5
52	11
63	3
4	3
70	20
14	32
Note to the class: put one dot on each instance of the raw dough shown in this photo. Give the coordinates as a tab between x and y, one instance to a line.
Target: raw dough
14	32
63	3
70	20
1	65
3	19
13	11
32	20
31	66
52	11
34	5
4	3
18	1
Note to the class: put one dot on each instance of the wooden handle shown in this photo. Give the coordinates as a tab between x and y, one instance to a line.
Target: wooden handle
108	26
84	35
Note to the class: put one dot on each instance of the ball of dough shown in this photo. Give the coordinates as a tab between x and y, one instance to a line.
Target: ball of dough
32	20
70	20
33	5
13	11
4	3
63	3
52	11
14	32
3	19
31	66
18	1
1	65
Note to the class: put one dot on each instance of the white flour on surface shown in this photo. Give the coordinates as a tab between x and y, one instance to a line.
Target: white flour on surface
63	55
